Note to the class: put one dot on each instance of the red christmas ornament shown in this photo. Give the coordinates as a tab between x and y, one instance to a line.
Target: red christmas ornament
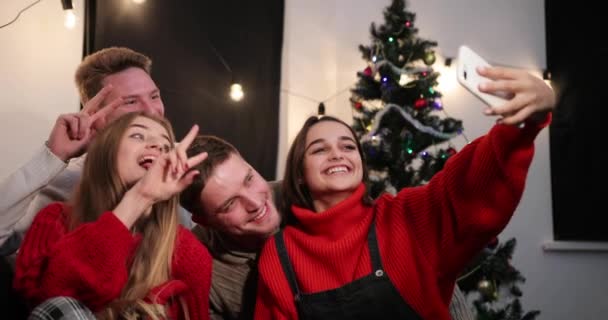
358	105
451	151
408	24
493	243
368	71
420	103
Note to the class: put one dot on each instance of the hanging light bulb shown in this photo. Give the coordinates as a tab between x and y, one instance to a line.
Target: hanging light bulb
236	92
67	4
321	109
139	1
70	17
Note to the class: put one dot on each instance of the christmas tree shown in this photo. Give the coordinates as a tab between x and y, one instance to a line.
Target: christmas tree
405	135
496	283
398	111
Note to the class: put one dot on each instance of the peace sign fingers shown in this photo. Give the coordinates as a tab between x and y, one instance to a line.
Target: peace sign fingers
99	118
180	150
93	105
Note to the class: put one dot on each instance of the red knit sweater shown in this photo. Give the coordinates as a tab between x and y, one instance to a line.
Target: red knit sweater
427	235
90	263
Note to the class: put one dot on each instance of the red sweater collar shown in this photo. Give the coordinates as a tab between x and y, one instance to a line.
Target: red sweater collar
332	222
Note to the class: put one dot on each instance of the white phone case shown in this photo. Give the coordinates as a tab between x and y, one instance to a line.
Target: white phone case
468	77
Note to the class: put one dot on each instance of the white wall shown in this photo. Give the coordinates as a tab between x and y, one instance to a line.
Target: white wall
38	58
320	58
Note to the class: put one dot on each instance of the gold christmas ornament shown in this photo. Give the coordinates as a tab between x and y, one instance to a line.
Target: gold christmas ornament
486	288
429	58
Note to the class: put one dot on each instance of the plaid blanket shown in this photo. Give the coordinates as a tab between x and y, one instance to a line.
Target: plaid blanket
61	308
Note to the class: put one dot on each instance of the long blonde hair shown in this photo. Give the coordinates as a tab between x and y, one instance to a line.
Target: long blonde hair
100	190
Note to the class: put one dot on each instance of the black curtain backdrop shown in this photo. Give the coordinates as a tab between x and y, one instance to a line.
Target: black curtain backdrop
182	38
577	53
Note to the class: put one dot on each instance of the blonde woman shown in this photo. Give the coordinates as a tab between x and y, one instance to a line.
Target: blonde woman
117	246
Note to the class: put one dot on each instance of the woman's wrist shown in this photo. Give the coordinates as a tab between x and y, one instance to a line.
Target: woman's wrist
132	206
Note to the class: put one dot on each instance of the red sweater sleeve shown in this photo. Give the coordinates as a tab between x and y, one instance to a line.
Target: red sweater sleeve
88	263
470	201
192	264
267	306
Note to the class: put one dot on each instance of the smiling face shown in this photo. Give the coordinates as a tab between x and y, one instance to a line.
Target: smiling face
137	89
143	141
332	165
238	201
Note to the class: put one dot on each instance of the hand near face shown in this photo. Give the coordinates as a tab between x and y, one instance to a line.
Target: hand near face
531	97
72	132
169	174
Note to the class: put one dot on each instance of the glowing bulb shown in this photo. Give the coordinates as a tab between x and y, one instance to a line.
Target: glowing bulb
139	1
236	92
70	19
447	79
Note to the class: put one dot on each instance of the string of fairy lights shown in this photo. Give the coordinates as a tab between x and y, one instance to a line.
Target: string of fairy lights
236	91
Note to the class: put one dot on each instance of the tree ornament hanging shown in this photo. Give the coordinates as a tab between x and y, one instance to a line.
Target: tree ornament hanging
486	288
437	105
411	153
420	103
429	58
493	244
376	140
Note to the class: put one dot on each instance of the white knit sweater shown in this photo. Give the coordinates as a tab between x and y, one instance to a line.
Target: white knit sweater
22	195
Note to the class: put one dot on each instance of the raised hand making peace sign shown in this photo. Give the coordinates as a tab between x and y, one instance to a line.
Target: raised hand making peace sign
169	174
166	173
72	132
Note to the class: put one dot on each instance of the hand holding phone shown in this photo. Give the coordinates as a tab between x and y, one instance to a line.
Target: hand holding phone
466	70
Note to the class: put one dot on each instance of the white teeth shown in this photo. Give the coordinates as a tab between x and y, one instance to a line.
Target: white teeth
150	158
261	215
333	170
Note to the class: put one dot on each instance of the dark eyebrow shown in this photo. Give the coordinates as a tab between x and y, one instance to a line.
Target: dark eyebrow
313	142
347	138
341	138
144	127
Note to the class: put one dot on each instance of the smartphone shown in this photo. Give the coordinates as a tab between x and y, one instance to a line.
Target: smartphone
468	61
